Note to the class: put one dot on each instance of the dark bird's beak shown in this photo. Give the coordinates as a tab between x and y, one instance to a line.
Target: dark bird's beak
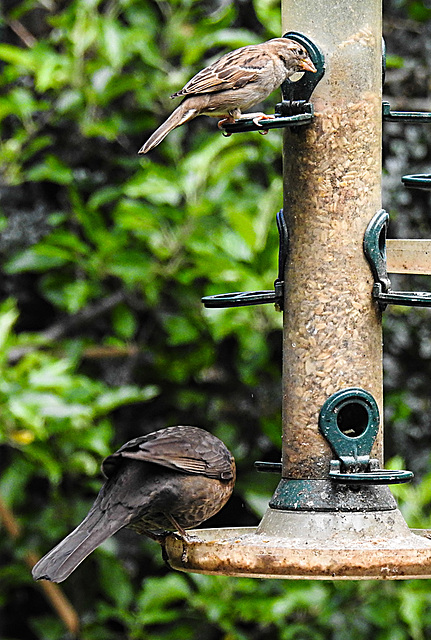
307	65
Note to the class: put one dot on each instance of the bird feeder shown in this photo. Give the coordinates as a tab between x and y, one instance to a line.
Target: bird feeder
332	515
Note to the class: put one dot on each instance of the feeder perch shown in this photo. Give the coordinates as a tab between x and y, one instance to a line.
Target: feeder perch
419	181
332	515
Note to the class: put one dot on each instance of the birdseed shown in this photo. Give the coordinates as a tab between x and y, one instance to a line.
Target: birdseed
332	337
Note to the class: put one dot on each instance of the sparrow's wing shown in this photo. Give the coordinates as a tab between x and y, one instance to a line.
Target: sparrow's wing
232	71
187	449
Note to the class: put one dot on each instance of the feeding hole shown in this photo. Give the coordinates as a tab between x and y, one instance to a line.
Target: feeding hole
352	419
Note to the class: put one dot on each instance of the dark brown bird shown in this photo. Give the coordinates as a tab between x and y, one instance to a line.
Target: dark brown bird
168	480
237	81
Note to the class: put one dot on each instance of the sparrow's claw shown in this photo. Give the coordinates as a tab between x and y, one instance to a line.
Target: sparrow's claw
223	121
262	116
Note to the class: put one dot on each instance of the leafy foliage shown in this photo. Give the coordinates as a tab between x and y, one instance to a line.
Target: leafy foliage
102	334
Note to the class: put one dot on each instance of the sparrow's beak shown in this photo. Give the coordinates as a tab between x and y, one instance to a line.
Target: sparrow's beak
307	65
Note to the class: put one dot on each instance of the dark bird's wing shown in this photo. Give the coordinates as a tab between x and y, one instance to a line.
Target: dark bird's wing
232	71
119	502
187	449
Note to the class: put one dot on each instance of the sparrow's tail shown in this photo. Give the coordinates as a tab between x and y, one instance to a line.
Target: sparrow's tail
182	114
59	563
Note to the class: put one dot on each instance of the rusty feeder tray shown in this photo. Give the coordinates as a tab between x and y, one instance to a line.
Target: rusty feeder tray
332	515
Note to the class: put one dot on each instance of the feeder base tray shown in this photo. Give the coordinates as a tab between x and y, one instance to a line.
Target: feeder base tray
317	546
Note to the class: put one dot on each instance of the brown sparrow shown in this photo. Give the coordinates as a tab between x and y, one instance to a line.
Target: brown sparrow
168	480
234	83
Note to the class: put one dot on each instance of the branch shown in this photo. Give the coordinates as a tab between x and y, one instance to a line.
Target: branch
60	329
53	592
22	32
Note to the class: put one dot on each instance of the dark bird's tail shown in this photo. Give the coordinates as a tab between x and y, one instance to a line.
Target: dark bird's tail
59	563
182	114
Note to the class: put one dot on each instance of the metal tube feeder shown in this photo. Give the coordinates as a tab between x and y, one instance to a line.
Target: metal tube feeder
332	515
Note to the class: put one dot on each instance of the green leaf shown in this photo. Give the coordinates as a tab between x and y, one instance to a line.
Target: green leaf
124	322
124	395
8	317
419	11
181	330
41	258
394	62
115	581
157	597
51	169
112	40
131	266
76	295
17	56
155	187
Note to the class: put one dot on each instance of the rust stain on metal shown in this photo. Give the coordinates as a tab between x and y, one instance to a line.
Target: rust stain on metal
260	556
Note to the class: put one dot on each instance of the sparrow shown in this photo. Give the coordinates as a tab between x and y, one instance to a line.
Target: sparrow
169	480
234	83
